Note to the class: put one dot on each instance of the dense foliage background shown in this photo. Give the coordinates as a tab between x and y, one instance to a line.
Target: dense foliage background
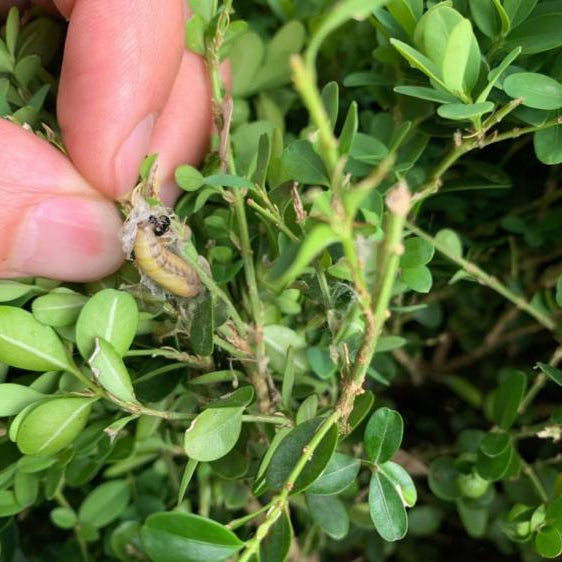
370	369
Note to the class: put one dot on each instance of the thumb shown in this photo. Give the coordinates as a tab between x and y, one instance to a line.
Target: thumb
54	223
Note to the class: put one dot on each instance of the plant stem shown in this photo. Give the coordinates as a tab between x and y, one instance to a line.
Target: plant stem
235	523
398	206
487	279
537	484
279	503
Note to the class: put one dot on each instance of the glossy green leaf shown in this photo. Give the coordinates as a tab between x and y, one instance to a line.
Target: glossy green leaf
290	451
456	57
508	397
461	111
110	372
58	308
495	74
548	542
406	13
105	503
418	278
349	129
419	61
110	314
450	240
386	508
340	472
189	178
301	163
494	443
548	145
442	478
416	252
277	543
15	397
203	326
213	433
27	344
494	468
52	425
383	435
537	90
329	513
26	488
181	537
187	475
12	290
195	34
63	517
473	517
537	34
423	93
321	362
518	10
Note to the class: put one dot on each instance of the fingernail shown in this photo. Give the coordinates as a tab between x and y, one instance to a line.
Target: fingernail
69	238
131	154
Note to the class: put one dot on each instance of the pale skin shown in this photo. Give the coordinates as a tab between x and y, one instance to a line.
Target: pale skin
128	88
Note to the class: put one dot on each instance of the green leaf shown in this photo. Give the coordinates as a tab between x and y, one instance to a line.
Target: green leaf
12	290
494	443
553	515
52	425
551	372
181	537
240	398
27	344
105	503
473	517
486	17
307	409
26	488
361	407
340	472
548	145
442	478
508	398
461	111
63	517
418	278
15	397
424	521
548	542
386	508
537	34
321	362
26	69
329	513
417	251
110	372
518	10
189	178
349	129
330	99
494	468
110	314
383	435
402	481
537	90
290	451
464	389
195	34
147	165
406	13
419	61
203	326
423	93
213	433
301	163
450	240
186	478
296	258
278	340
456	58
12	30
59	308
495	74
277	543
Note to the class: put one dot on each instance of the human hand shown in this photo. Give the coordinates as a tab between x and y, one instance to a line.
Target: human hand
128	88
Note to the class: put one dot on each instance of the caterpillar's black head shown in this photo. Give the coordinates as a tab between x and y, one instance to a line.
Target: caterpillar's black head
160	225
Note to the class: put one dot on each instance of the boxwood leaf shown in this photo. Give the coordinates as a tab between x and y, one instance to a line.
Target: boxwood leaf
383	435
27	344
508	397
59	308
185	537
386	508
340	472
329	513
548	145
402	481
110	372
548	542
110	314
290	451
276	545
537	90
462	111
213	433
105	503
52	425
15	397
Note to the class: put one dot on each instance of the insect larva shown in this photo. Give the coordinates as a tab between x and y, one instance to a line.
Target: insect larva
161	265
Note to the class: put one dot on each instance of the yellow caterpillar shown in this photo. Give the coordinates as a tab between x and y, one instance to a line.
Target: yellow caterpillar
156	261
